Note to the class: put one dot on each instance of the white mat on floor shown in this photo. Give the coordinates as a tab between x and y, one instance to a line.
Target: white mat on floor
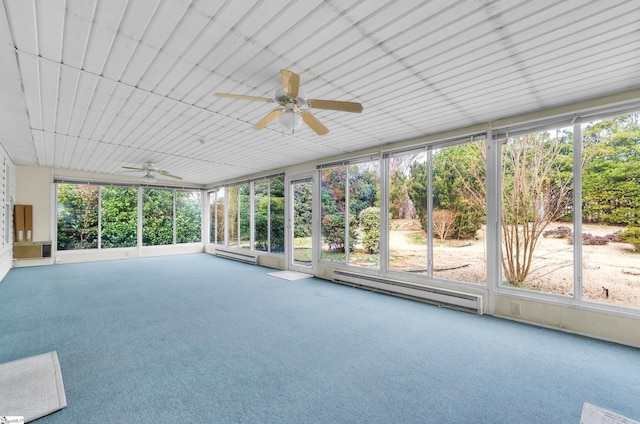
31	387
592	414
290	275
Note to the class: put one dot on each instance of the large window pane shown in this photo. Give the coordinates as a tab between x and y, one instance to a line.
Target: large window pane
276	217
188	217
261	215
611	211
232	213
157	217
333	213
77	217
364	214
537	184
407	187
245	215
216	215
302	193
119	217
458	216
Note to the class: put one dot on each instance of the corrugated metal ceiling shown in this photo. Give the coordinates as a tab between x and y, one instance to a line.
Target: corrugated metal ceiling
93	85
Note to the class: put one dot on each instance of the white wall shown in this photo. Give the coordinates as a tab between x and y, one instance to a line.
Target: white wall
6	209
33	187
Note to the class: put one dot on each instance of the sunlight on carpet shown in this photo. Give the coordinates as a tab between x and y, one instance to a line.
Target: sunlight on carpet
290	275
31	387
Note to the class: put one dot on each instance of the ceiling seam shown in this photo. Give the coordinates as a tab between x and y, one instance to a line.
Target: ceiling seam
127	85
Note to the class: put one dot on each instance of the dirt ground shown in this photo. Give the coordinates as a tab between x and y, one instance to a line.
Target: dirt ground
611	272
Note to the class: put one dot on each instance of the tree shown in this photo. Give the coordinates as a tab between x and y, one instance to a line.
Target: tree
400	205
611	176
334	210
157	217
364	192
457	179
77	216
536	190
119	217
302	221
370	226
632	236
188	216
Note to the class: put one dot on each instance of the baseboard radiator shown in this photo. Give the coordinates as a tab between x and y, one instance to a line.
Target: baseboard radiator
246	257
437	296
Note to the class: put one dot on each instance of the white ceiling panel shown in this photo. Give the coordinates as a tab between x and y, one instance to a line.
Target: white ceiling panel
30	80
124	82
50	20
77	27
101	37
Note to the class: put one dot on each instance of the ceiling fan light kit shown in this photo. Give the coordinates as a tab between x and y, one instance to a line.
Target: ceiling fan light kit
290	120
295	108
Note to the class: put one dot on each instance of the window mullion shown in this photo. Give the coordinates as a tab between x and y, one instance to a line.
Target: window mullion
577	212
430	213
347	239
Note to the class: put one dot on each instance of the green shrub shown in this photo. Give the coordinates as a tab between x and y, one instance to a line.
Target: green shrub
632	236
370	226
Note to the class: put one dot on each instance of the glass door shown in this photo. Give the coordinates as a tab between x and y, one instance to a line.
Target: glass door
300	225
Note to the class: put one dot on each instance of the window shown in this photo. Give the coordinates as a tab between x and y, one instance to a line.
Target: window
269	215
611	211
364	214
233	214
333	213
77	217
188	216
216	216
458	212
276	215
537	187
407	187
119	217
437	206
350	213
244	205
157	217
261	215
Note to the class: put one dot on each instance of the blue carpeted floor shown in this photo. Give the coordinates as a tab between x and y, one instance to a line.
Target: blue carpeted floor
199	339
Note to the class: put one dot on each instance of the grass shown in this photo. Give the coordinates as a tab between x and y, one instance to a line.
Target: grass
417	237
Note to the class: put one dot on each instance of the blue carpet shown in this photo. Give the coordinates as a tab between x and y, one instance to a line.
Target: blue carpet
199	339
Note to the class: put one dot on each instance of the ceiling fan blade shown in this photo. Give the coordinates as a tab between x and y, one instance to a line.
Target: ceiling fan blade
133	169
313	122
243	97
166	174
268	118
335	105
290	83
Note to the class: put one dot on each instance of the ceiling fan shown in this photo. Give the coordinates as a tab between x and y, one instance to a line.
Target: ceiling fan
294	105
151	172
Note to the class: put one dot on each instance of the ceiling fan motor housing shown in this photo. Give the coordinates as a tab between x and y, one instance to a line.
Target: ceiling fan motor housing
285	100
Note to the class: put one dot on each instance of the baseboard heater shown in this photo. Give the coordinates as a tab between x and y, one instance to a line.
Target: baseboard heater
246	257
437	296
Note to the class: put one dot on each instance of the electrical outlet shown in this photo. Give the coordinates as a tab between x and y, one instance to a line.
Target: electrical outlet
516	308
